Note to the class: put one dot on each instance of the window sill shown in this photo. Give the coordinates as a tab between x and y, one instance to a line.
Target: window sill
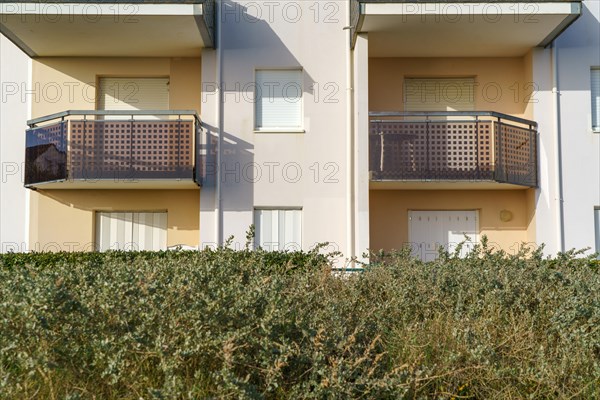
279	131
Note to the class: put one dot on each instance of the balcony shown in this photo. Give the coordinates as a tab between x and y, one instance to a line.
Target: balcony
132	28
446	28
452	150
113	150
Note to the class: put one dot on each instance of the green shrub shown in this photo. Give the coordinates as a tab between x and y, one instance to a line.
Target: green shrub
254	324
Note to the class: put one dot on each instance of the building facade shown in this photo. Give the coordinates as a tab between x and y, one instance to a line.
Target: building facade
365	124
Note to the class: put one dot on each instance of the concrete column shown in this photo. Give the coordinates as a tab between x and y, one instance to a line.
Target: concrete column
361	144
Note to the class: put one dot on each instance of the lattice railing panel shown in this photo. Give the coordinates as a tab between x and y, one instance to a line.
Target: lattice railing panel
451	150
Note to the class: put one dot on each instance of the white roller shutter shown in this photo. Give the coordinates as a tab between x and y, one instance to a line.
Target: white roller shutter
126	94
439	94
278	99
595	93
428	230
278	229
131	231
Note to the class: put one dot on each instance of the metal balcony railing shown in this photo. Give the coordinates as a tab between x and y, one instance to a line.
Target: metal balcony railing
113	145
453	146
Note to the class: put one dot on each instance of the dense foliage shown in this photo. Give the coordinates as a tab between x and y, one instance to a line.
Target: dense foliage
253	324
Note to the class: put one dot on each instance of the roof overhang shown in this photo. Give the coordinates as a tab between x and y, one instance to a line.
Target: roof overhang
132	29
462	29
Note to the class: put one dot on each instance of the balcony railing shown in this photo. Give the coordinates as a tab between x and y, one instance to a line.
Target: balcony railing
453	146
113	145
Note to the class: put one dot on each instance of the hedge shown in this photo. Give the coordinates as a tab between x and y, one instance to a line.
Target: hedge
254	324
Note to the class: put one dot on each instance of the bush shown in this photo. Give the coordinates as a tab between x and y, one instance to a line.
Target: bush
254	324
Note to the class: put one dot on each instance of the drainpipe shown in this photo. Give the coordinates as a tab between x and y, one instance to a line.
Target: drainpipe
219	63
349	140
558	145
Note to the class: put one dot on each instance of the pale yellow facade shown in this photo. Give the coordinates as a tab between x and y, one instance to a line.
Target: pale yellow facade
389	214
63	219
502	84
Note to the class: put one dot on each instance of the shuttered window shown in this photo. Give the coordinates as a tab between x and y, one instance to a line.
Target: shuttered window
278	99
126	94
278	229
595	92
439	94
134	231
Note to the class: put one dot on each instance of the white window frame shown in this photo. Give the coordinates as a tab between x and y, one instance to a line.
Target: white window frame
277	246
595	99
129	245
597	229
295	129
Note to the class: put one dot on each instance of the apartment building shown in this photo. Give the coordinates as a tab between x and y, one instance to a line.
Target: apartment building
365	124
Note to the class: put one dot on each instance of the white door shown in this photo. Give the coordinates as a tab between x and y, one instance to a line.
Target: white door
127	94
134	231
428	230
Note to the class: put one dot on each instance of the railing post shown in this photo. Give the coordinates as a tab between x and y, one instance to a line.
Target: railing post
427	168
178	168
532	156
83	149
500	160
131	170
477	149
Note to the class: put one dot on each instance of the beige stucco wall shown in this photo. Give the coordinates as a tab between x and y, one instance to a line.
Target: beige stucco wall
70	83
502	84
389	214
64	219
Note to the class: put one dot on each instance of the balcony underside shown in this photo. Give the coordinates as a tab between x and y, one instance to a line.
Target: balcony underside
91	184
442	185
131	29
461	29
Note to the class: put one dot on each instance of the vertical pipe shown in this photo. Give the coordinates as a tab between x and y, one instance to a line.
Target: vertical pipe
557	142
350	222
219	109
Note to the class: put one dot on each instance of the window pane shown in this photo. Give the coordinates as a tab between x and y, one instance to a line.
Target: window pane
595	92
278	229
279	99
131	231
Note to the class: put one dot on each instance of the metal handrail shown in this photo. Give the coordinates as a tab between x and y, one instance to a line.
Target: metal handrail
61	115
493	114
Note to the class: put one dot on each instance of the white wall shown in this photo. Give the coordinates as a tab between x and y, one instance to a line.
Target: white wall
14	77
261	169
578	50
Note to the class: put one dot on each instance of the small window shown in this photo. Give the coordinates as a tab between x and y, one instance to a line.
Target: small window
278	229
133	231
597	228
595	92
278	100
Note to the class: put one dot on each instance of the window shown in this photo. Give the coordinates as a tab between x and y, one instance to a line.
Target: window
137	231
126	94
595	92
278	100
278	229
597	228
439	94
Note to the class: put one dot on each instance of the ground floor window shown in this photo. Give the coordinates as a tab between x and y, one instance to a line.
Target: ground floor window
597	228
278	229
428	230
133	231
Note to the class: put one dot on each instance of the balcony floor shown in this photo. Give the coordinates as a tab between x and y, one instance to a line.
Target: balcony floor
170	184
443	185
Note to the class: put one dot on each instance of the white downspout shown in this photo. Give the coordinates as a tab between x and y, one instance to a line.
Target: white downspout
558	143
350	228
219	109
